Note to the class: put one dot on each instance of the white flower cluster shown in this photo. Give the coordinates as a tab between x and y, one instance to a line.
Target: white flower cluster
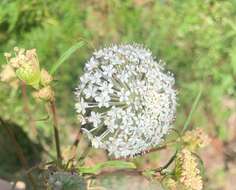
125	100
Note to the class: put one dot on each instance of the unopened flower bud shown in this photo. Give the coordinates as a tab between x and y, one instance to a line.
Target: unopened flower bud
46	78
26	65
16	49
14	62
46	94
30	74
195	139
7	55
31	53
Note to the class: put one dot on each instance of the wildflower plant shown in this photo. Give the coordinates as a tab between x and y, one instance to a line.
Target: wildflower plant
127	98
126	104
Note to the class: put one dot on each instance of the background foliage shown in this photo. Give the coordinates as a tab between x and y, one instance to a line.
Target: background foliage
197	39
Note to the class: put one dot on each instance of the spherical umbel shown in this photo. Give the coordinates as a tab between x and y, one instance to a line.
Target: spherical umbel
125	100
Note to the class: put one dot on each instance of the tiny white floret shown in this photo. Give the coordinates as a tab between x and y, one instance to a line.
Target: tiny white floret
127	100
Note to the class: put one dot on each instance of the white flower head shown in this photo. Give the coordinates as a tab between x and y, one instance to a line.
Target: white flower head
127	99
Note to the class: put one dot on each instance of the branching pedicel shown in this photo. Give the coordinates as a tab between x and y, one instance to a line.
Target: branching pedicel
125	100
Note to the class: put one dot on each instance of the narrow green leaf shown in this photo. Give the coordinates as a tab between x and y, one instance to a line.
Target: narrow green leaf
65	56
117	164
194	107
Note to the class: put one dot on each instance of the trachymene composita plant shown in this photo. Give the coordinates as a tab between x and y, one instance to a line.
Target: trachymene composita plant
126	103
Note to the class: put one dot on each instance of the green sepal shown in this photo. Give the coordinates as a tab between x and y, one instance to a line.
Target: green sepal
31	76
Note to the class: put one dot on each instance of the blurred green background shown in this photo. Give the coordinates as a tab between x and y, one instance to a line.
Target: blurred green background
196	38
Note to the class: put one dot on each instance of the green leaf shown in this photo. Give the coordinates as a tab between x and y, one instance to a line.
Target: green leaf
117	164
65	56
194	107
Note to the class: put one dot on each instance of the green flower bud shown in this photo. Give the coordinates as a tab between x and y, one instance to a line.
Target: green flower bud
28	69
30	74
46	94
46	78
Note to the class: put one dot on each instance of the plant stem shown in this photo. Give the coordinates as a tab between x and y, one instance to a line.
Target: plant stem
168	163
56	131
133	172
85	153
26	109
136	171
74	146
20	155
76	142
